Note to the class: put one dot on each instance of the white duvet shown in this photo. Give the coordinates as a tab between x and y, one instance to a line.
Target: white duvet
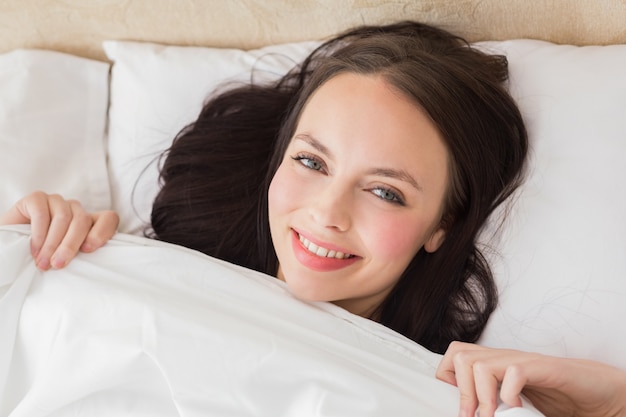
143	328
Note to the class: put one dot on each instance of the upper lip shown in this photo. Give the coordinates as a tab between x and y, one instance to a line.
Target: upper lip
325	245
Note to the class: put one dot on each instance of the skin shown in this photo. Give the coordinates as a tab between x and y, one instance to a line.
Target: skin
335	188
558	387
60	228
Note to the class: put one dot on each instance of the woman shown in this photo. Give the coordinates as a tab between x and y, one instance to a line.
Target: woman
362	178
457	95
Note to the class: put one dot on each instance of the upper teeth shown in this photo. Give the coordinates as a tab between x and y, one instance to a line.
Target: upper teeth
320	251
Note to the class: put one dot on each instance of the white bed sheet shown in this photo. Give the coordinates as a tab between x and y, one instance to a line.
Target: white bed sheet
144	328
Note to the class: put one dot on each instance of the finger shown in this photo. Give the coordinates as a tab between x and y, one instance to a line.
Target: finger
491	368
464	374
33	209
104	227
487	376
477	372
540	371
513	382
77	230
445	371
60	213
15	215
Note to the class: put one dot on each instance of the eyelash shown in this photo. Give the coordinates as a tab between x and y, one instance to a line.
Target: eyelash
380	192
302	158
395	198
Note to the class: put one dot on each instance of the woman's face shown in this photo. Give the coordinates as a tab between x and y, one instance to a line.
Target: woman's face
359	191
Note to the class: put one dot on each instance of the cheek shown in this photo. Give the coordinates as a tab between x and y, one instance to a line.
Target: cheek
395	238
280	195
275	198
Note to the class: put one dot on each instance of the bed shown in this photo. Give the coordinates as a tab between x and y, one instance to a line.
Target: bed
92	92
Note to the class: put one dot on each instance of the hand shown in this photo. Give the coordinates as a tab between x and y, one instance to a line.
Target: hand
60	228
556	386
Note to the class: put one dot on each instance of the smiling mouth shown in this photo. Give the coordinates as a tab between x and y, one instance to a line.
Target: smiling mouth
321	251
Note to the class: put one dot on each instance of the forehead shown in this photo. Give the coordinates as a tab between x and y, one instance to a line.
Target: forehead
351	94
364	116
364	107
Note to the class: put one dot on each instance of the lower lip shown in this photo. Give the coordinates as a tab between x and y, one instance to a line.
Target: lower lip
318	263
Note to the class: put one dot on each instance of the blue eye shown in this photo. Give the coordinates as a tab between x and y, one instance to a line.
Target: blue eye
387	195
309	162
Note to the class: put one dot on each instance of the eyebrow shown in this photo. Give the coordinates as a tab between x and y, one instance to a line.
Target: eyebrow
314	143
398	174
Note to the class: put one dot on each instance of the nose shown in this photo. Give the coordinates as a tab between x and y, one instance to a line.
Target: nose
332	208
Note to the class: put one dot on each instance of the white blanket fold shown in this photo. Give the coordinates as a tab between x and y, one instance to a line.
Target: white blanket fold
143	328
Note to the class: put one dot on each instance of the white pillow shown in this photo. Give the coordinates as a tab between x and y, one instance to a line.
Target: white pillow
52	125
561	266
156	90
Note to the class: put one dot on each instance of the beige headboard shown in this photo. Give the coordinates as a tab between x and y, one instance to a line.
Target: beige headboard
79	26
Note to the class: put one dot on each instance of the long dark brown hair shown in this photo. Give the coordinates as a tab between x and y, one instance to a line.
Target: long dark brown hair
216	175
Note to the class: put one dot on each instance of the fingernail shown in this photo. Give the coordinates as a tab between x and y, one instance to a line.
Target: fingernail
57	262
43	264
